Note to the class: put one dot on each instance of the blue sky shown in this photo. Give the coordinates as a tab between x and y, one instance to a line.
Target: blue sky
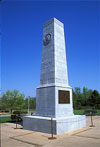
21	42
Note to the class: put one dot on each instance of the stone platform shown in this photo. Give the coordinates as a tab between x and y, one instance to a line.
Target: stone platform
60	125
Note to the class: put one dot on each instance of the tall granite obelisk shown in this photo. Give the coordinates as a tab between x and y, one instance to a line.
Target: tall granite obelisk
54	95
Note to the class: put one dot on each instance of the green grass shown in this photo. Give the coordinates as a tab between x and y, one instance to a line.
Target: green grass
26	110
98	112
79	112
5	119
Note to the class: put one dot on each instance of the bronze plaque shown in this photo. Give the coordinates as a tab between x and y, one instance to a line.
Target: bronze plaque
64	97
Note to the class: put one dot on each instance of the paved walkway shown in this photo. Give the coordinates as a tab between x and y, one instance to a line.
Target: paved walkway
85	137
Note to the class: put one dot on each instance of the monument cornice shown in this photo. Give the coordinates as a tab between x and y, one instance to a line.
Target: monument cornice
54	85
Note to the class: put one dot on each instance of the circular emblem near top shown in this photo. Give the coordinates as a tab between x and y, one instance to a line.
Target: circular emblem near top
47	39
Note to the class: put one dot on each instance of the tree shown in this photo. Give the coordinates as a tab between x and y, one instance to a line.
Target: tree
94	99
77	98
12	100
32	103
77	90
74	100
4	102
86	94
83	99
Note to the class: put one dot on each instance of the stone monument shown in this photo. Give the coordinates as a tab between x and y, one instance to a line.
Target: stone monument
54	95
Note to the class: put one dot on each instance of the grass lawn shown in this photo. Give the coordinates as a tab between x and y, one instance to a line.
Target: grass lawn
98	112
81	112
5	119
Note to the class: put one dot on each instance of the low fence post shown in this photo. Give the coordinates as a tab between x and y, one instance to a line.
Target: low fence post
52	130
16	121
91	121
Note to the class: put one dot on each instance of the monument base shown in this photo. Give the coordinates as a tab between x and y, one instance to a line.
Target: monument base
60	125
